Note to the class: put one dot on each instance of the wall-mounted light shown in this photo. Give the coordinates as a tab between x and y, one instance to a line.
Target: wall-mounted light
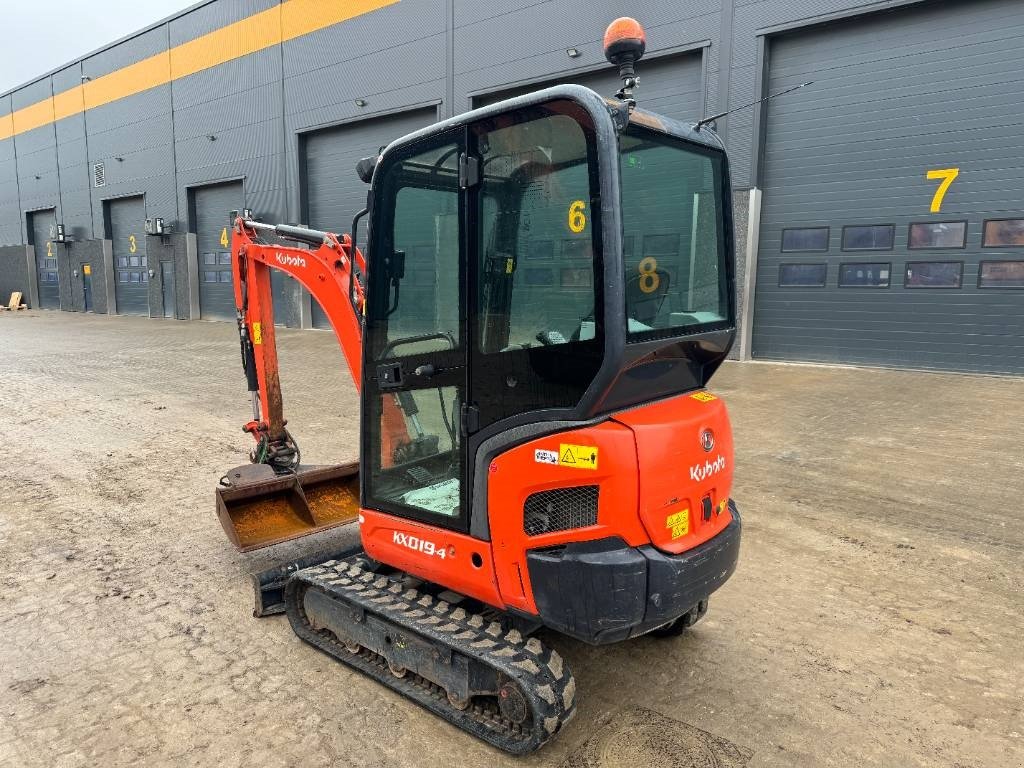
58	234
248	215
573	53
155	226
86	78
360	102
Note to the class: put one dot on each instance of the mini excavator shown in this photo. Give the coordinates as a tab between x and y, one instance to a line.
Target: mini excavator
547	288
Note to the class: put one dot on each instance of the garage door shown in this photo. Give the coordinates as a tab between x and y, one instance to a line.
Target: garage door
43	224
333	192
213	206
127	221
878	183
669	85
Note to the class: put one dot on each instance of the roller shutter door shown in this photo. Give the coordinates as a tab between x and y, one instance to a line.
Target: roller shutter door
213	206
127	227
896	95
43	224
333	192
669	85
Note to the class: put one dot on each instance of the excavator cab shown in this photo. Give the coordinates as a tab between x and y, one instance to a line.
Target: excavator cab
535	263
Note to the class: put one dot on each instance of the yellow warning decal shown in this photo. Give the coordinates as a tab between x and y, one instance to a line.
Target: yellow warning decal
580	456
679	523
87	269
257	333
704	397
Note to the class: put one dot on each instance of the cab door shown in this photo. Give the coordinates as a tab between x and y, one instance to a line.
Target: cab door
415	370
536	260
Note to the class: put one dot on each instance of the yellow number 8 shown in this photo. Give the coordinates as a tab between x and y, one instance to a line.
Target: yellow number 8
577	217
649	278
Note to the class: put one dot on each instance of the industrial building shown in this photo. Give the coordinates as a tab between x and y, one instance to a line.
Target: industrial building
879	210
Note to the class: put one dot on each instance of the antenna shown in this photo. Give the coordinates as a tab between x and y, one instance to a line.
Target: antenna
704	121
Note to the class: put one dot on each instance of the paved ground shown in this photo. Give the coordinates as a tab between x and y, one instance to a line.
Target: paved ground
875	619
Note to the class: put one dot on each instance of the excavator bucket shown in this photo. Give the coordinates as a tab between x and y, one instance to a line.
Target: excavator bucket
259	507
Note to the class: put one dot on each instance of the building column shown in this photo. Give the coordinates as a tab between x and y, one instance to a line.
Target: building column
33	278
305	308
109	277
192	274
750	273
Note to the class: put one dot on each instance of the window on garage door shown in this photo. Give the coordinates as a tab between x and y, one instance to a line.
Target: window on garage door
1004	233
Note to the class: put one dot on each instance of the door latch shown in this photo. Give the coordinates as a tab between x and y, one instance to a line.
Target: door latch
470	419
469	171
390	376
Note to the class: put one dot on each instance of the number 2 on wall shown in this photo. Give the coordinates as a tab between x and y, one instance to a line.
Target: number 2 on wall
947	175
132	245
224	237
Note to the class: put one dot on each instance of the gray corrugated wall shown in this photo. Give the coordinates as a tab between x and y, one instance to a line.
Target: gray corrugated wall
395	58
13	273
857	153
10	205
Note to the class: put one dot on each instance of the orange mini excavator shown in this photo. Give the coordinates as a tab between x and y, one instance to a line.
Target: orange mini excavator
547	289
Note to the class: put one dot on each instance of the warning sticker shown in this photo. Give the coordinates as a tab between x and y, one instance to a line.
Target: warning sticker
679	523
545	457
87	269
257	333
580	456
704	397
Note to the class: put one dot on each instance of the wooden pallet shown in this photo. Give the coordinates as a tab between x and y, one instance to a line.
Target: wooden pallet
15	302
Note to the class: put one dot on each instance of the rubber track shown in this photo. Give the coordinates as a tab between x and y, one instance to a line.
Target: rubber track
542	675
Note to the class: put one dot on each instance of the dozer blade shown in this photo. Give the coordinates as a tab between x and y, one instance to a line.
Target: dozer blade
259	507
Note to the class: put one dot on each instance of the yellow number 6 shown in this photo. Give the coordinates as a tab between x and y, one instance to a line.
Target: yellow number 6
577	216
947	175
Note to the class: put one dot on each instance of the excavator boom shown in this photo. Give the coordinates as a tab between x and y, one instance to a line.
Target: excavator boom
276	498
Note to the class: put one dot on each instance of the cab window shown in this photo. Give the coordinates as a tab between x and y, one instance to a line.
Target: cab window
536	214
676	280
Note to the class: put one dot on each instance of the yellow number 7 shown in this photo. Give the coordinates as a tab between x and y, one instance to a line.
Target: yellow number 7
947	175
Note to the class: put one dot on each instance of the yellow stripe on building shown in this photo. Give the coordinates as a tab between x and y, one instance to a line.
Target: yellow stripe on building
287	21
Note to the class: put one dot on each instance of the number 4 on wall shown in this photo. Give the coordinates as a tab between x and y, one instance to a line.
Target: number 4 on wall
947	175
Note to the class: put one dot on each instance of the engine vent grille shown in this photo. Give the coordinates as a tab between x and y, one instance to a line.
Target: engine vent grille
98	175
560	510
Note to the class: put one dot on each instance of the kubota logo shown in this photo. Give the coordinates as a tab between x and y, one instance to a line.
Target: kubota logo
290	261
703	471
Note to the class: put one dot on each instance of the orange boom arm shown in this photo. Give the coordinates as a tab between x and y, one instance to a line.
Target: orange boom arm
329	272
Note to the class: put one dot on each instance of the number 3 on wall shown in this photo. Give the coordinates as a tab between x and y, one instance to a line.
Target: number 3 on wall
947	175
132	245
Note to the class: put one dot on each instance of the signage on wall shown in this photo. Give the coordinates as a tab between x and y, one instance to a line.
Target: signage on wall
946	175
